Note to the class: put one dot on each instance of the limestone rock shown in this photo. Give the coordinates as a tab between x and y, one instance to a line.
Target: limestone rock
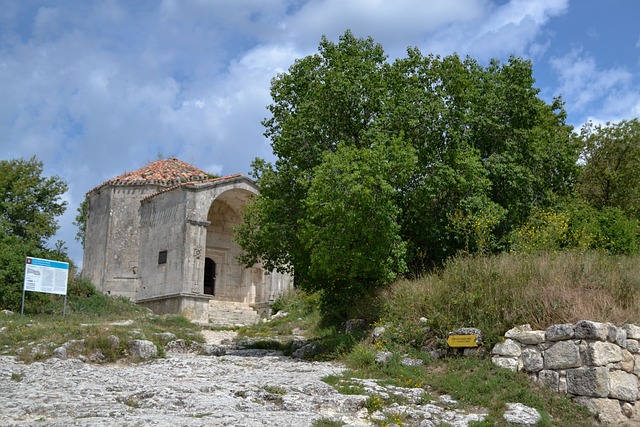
213	350
176	346
532	360
377	333
628	410
627	364
633	331
621	337
307	351
60	352
601	353
520	414
165	336
592	382
508	348
588	330
550	379
525	335
562	355
623	386
279	315
409	361
633	345
142	349
114	341
505	362
559	332
383	357
607	410
6	312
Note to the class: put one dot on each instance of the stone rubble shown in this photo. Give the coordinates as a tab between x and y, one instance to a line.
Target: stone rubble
229	387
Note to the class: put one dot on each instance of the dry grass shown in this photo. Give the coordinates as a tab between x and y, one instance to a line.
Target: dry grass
497	293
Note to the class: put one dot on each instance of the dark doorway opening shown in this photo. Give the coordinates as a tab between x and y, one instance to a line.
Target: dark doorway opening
209	276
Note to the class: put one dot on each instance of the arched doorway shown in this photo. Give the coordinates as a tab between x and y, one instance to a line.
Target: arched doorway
209	276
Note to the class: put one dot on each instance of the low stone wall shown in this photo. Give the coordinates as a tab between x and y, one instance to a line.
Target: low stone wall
598	364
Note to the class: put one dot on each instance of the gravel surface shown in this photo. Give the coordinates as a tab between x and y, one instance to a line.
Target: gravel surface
241	388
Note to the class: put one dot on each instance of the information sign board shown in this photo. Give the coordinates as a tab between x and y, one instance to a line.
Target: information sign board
45	275
462	341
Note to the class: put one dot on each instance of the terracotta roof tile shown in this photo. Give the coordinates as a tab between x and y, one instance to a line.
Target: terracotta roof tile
165	172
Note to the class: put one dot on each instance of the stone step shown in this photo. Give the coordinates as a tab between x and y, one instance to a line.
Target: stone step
229	313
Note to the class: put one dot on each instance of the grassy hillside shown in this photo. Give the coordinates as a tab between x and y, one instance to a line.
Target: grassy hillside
490	293
498	293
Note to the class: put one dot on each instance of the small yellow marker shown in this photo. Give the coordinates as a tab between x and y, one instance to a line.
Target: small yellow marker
462	341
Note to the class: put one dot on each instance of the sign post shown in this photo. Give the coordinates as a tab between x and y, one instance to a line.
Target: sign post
47	276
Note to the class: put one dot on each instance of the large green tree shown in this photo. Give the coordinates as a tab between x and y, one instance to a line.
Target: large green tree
611	165
453	154
29	205
29	202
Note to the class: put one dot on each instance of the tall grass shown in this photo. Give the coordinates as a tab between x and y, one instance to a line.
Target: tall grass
497	293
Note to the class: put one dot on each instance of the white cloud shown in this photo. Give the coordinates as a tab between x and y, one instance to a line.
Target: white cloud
607	93
512	28
396	25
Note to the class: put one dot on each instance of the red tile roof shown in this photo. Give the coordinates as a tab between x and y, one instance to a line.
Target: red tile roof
167	170
166	173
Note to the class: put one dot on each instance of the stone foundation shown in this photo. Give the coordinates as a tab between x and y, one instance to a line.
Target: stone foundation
598	364
193	307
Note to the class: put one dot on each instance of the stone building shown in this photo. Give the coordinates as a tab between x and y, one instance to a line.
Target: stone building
162	236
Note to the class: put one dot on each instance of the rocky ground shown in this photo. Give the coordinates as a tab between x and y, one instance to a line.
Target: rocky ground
240	388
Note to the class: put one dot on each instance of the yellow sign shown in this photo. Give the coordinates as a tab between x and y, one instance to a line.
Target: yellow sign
462	341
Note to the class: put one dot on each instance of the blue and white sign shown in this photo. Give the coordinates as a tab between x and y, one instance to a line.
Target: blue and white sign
45	275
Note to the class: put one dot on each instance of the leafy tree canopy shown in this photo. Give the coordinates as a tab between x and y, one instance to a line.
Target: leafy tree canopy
29	202
611	172
385	166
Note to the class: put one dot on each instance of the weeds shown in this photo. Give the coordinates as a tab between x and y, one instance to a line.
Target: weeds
325	422
274	390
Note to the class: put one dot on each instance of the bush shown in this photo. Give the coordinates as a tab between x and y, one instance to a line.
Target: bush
577	226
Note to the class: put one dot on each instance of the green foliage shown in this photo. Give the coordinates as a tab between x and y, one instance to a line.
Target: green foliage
383	168
611	171
577	226
325	422
81	220
351	211
30	202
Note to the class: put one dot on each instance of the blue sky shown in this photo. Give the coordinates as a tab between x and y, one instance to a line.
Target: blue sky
98	88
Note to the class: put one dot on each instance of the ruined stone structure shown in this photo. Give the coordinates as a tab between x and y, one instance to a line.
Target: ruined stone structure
598	364
162	236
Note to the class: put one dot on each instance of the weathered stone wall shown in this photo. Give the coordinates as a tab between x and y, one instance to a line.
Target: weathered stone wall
598	364
112	239
162	228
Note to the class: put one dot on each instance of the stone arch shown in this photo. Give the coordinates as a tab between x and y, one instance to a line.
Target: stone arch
233	281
